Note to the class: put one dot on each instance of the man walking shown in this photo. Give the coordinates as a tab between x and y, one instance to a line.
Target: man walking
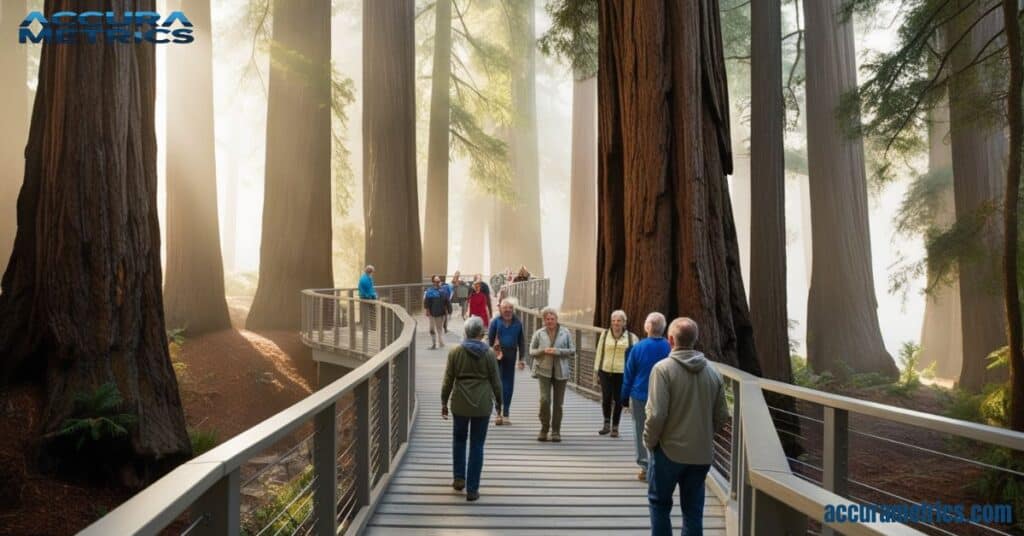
639	362
435	307
685	407
367	292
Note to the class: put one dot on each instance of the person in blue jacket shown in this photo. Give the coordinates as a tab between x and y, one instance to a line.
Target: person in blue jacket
508	339
366	290
640	360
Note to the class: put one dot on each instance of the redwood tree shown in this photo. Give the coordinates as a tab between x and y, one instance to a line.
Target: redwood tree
666	237
14	117
768	310
194	284
843	334
390	205
81	303
295	249
435	225
580	279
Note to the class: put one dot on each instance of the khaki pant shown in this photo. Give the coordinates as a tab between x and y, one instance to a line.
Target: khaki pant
551	407
437	331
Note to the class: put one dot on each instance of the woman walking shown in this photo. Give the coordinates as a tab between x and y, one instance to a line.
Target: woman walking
472	385
509	342
613	348
479	303
551	349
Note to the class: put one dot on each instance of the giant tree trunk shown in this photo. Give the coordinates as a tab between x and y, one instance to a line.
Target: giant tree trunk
435	232
522	247
390	202
941	332
978	178
194	284
14	118
295	248
843	334
666	238
580	279
768	312
81	303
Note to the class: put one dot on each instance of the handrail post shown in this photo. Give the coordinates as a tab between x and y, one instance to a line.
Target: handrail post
337	316
576	359
318	302
744	490
221	507
325	470
735	447
402	370
364	438
351	322
412	370
379	324
835	454
384	391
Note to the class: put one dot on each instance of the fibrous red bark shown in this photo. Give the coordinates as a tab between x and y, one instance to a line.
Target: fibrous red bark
435	224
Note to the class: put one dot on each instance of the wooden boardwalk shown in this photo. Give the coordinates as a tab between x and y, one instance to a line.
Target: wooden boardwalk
584	485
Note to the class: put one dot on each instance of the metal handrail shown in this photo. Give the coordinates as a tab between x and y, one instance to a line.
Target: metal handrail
210	484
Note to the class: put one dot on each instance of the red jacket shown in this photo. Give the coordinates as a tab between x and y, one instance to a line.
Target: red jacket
478	306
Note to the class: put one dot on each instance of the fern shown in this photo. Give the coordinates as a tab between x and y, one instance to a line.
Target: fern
97	417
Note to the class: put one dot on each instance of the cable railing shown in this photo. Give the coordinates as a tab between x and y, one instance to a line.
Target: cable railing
359	426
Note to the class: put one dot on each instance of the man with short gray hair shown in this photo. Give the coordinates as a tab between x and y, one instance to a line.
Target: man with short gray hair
685	407
639	362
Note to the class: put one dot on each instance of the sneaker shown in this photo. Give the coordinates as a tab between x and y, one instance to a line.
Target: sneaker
472	495
499	421
642	475
615	431
556	437
542	436
606	429
505	421
433	346
459	484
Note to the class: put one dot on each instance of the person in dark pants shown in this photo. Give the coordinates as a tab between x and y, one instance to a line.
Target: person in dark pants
613	348
508	340
472	385
642	358
685	407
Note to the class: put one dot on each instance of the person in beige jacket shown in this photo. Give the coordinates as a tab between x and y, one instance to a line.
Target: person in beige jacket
685	407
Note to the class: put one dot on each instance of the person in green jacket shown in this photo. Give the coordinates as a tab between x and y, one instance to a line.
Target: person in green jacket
472	385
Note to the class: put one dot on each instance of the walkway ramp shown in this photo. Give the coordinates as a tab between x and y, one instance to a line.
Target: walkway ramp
584	485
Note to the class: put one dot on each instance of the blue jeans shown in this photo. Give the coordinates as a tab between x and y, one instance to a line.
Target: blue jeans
639	411
476	429
663	476
508	382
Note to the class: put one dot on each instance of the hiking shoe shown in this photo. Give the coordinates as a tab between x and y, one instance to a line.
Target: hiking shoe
472	495
642	475
556	437
459	484
615	431
433	346
606	429
505	421
499	421
542	436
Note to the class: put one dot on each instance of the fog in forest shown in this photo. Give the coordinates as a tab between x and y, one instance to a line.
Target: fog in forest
241	73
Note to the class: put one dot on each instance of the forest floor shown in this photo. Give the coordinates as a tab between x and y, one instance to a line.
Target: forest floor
229	381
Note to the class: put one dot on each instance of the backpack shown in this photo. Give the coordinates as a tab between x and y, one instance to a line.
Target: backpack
600	348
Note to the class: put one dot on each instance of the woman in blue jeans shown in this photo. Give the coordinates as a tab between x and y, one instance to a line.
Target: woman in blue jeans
472	386
506	336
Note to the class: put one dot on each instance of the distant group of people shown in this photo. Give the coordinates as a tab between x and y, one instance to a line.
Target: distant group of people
677	400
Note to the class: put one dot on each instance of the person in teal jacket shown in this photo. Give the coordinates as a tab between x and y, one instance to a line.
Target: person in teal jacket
640	360
366	290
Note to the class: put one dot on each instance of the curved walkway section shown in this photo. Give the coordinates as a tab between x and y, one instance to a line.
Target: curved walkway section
584	485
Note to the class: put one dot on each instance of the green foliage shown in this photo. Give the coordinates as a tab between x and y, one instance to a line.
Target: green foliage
909	380
202	440
805	377
290	504
573	35
97	418
992	405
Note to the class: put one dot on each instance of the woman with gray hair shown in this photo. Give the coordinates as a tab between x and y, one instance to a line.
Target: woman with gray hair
472	385
551	349
611	352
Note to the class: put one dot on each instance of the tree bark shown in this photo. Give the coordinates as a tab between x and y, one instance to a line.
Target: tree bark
435	233
941	332
978	177
1011	207
295	249
666	237
843	334
14	117
523	247
81	303
768	312
580	279
194	281
390	205
229	231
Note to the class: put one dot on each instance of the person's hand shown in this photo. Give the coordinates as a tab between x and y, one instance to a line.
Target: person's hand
521	365
550	351
444	412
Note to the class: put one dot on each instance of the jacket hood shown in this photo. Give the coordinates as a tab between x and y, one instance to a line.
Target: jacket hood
476	348
692	360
